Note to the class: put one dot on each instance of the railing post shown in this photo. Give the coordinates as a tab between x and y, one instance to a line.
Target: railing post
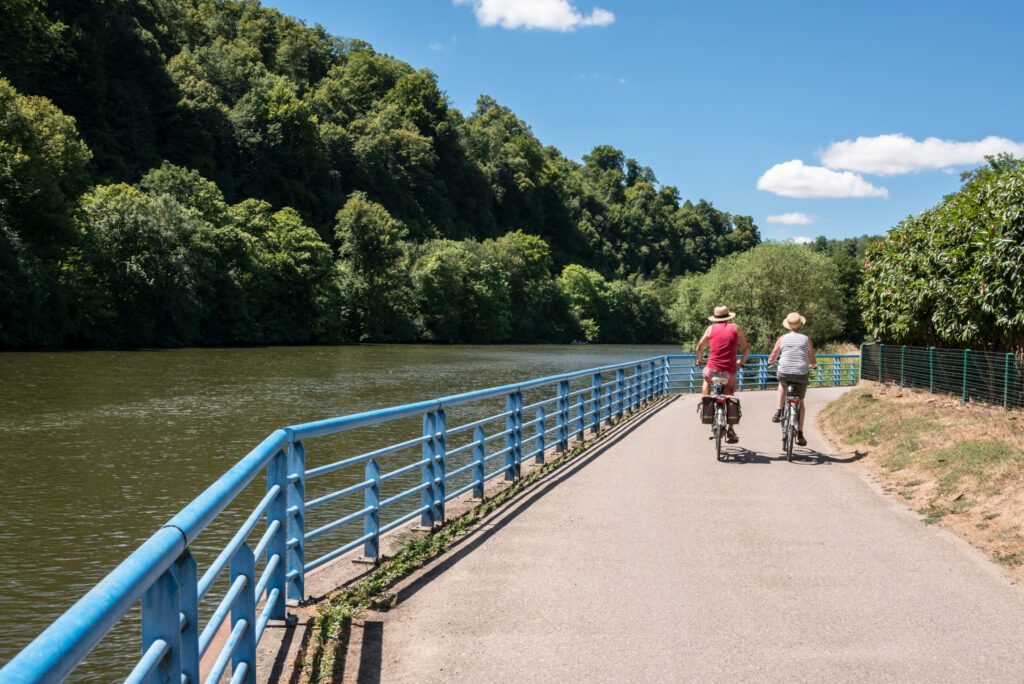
903	363
881	362
539	428
691	378
652	384
1006	381
511	462
277	514
595	403
371	519
563	417
160	621
931	369
637	385
967	355
479	449
296	575
440	439
581	411
609	402
427	518
519	433
620	380
835	371
188	602
666	377
244	608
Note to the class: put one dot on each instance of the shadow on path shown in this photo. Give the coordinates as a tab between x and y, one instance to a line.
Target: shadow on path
372	633
739	455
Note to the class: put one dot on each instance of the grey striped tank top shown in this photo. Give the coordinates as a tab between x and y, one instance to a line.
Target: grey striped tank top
793	359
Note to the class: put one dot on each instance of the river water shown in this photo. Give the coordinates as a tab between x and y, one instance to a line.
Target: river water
103	447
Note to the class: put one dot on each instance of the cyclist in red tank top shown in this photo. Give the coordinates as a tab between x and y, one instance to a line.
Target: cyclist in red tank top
724	338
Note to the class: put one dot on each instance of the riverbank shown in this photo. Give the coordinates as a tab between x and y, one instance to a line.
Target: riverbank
959	466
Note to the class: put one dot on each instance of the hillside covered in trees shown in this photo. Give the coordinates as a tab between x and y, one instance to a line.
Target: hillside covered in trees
213	172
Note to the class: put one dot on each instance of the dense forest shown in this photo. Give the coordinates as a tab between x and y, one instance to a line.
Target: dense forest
177	172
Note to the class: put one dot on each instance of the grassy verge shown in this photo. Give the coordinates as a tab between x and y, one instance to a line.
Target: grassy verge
330	636
959	466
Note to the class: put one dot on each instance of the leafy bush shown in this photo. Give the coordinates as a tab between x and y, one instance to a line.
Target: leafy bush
954	275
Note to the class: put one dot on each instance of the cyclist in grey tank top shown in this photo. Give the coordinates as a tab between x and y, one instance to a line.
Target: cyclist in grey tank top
794	352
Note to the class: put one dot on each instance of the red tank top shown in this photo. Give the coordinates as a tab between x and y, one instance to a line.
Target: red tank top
724	340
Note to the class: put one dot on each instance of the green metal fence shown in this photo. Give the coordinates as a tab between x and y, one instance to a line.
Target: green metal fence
990	377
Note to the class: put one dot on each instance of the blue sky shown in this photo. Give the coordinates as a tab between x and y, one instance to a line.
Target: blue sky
721	97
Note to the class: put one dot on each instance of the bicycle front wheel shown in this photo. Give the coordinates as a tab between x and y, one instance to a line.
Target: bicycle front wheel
790	434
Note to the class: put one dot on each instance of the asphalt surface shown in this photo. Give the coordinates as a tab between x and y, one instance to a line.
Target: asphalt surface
651	561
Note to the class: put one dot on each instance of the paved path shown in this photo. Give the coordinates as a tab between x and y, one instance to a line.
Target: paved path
652	562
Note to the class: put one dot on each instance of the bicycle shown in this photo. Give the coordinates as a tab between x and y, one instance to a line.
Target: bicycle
719	416
790	420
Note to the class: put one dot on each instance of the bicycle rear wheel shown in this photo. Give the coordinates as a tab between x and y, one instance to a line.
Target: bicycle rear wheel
719	429
788	432
790	435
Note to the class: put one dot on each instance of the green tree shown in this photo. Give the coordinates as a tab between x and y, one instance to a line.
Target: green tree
538	311
45	168
586	293
132	274
288	280
848	255
460	294
635	315
373	270
763	285
190	189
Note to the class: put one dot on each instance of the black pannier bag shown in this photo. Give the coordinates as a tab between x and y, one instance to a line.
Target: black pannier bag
733	413
706	409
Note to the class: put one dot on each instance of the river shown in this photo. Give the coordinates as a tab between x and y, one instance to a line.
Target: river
103	447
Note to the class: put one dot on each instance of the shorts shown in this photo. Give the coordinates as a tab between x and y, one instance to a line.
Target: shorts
730	386
797	381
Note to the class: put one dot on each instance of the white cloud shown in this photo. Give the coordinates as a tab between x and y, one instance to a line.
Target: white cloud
794	179
802	240
550	15
436	47
895	153
793	218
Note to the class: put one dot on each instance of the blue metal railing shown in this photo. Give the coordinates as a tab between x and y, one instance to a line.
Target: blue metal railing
162	573
832	370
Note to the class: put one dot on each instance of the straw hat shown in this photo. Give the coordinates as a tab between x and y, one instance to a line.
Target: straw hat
794	321
722	313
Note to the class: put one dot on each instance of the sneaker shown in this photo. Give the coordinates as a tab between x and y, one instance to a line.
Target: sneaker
777	418
731	437
800	439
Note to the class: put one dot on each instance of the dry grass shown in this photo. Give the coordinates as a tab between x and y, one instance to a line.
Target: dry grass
838	348
961	467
